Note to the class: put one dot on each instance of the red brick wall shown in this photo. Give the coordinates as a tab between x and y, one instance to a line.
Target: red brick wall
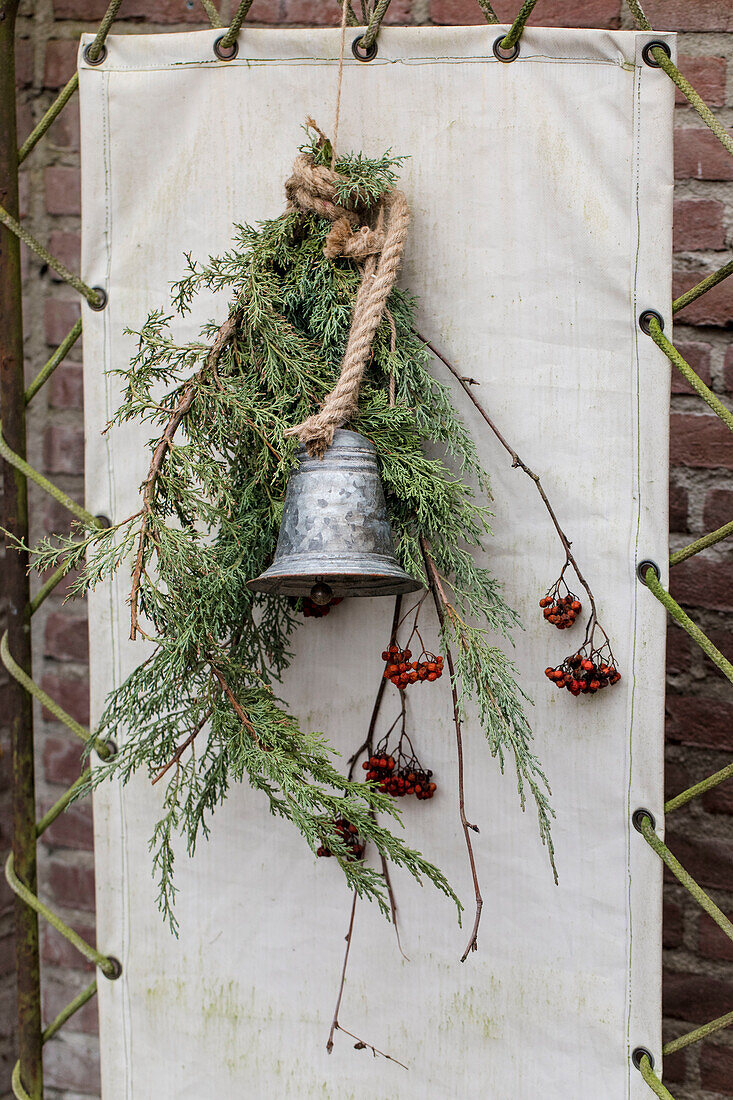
698	958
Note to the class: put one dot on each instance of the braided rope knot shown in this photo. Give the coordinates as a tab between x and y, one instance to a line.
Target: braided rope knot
379	248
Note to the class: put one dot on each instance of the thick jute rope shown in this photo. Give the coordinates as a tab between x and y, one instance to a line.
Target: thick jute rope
311	188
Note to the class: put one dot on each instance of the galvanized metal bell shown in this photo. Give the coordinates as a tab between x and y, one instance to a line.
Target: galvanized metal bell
335	539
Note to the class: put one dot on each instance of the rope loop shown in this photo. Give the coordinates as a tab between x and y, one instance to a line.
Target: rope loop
513	35
229	38
378	246
369	38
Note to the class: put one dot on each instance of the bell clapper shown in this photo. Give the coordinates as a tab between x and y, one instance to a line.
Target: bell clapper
321	593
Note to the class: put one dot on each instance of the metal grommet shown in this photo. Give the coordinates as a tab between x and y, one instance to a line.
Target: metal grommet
102	299
225	53
101	56
115	969
362	54
104	521
638	817
643	566
650	315
111	747
638	1054
646	53
505	55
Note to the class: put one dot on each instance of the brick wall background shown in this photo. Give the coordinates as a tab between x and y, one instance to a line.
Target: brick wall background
698	959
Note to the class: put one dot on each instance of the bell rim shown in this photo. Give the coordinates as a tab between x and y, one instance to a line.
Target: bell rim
346	578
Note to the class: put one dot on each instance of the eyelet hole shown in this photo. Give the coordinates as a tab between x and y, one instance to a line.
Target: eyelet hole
101	56
506	56
637	818
225	53
101	301
362	54
646	54
638	1054
115	969
647	316
643	566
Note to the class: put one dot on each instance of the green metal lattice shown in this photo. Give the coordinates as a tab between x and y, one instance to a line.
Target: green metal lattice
27	1083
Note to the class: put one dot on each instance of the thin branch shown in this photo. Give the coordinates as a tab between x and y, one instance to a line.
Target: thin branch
442	607
335	1021
235	706
368	741
517	462
392	903
182	748
335	1025
162	447
360	1044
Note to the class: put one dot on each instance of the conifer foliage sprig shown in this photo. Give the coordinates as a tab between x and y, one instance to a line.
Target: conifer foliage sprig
201	712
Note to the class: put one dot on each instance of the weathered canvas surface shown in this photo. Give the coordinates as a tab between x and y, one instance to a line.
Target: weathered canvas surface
541	194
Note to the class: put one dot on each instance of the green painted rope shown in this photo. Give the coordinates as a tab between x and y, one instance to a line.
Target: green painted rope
517	28
56	359
701	544
49	117
66	798
235	26
370	34
694	98
641	20
489	13
70	87
105	964
46	589
213	14
351	20
645	1068
67	1012
18	1090
703	287
698	1034
699	788
58	495
40	250
104	28
669	67
703	900
703	391
38	693
687	624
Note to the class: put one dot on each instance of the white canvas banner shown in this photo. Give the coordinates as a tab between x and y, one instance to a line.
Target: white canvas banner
541	197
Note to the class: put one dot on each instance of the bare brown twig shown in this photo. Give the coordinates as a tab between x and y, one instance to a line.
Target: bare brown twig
349	934
186	400
517	462
367	746
235	705
182	747
443	607
360	1044
368	741
335	1025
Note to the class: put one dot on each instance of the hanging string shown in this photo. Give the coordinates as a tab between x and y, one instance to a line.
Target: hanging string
339	83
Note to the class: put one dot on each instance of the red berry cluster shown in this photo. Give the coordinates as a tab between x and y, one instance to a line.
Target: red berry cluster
350	836
402	671
409	778
584	673
561	611
313	610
